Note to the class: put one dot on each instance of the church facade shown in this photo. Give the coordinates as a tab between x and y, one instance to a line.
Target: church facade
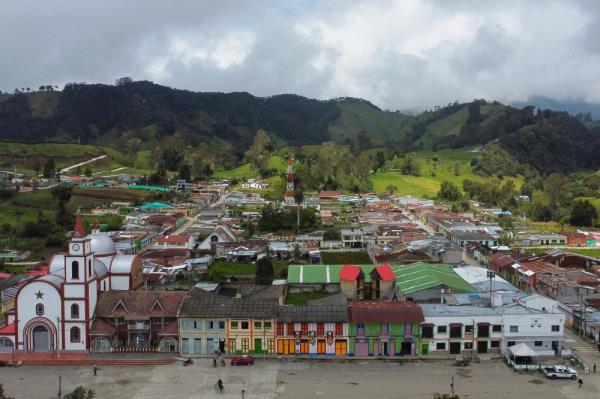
54	312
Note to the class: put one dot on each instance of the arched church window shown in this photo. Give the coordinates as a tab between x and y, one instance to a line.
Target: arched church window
75	334
39	309
74	311
75	270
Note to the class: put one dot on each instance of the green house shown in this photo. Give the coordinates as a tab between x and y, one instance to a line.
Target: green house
382	328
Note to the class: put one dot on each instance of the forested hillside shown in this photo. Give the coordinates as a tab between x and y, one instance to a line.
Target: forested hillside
131	115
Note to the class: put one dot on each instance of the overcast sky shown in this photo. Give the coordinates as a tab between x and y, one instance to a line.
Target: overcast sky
397	54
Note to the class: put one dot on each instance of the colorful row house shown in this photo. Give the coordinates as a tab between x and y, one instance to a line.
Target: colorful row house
312	330
211	323
380	328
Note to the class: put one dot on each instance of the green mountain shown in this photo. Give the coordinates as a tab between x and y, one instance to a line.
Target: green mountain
96	114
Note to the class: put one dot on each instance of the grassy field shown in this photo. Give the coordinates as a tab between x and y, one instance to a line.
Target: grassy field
224	268
593	252
436	167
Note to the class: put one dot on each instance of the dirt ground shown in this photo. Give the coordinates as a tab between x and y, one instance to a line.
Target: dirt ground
295	380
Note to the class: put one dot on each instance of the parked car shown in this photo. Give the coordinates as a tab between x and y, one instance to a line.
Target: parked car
559	372
242	361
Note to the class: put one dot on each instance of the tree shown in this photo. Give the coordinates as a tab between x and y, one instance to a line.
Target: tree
62	192
584	213
448	192
184	172
264	271
49	168
81	393
88	171
391	189
123	81
64	218
260	151
36	168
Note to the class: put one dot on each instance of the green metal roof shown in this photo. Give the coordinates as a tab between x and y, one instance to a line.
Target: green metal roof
156	205
420	276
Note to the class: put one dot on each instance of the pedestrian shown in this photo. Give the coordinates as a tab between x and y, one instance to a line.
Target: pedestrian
580	382
95	370
594	368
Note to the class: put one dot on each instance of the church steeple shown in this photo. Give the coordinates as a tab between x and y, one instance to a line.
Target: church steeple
79	229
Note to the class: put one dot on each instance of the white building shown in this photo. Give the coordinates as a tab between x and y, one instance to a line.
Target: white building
454	330
55	311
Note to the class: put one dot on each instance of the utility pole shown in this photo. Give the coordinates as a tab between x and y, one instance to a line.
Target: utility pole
59	386
452	386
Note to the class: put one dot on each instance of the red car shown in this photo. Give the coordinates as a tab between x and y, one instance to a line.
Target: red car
242	361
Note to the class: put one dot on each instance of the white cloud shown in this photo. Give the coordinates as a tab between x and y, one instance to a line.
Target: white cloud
399	54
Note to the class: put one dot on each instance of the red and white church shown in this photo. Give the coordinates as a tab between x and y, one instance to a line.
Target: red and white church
54	312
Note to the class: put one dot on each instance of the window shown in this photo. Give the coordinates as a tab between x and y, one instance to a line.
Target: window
75	270
290	329
538	343
221	325
360	329
510	343
231	345
440	346
89	267
456	331
339	329
74	311
514	329
271	345
234	325
257	324
279	328
245	325
497	328
321	329
211	324
267	325
304	328
104	285
442	329
197	324
185	324
75	335
245	345
555	328
468	345
427	332
469	328
39	309
495	344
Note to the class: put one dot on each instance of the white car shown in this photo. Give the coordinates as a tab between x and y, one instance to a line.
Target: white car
559	372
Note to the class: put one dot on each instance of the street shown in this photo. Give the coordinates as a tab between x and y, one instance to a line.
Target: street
295	380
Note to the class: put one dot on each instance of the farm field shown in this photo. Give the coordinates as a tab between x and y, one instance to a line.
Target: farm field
436	167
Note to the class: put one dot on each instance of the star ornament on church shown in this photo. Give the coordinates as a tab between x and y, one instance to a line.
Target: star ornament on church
39	295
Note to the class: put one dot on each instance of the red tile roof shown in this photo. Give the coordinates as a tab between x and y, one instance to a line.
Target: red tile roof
349	272
139	303
9	329
170	329
386	273
385	312
101	327
173	238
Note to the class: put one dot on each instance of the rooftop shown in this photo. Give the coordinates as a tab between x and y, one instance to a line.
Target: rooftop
420	276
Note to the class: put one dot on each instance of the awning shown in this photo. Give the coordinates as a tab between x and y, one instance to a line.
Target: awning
522	350
427	325
456	324
484	324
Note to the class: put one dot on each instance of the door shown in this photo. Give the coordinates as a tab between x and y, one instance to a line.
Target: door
361	348
482	347
197	346
385	349
304	346
455	348
341	347
41	339
221	346
424	349
321	347
258	345
210	346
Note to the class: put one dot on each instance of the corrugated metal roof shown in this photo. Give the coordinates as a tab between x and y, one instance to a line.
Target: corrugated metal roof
313	314
420	276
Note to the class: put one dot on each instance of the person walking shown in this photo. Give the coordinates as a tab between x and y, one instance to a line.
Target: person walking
580	383
594	368
95	370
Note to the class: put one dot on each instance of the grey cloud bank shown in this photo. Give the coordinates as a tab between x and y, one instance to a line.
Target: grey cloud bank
398	54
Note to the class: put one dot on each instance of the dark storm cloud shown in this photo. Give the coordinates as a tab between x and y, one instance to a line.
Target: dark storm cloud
399	54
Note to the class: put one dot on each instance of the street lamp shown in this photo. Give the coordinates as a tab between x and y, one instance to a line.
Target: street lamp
57	337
